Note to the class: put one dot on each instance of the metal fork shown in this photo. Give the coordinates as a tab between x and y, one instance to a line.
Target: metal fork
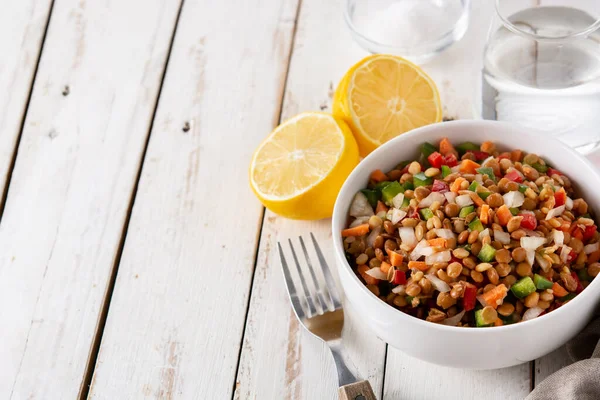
323	316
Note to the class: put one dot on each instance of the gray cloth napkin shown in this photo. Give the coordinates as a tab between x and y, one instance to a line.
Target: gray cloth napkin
578	381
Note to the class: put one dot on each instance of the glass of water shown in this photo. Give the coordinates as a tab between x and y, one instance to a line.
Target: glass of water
542	68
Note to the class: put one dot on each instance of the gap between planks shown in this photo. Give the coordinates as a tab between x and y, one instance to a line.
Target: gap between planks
93	355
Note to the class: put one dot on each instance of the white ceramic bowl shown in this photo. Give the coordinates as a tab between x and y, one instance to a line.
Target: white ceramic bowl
477	348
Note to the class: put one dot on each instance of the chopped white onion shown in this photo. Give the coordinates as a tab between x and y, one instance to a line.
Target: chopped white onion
513	199
445	233
359	221
502	237
439	257
564	253
450	197
558	237
360	206
432	197
422	249
483	234
530	254
453	321
569	203
532	313
400	289
590	248
455	169
376	273
407	236
543	263
438	284
555	212
397	215
463	200
374	233
479	178
532	243
398	200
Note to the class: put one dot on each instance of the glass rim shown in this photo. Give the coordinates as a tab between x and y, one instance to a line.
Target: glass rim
541	38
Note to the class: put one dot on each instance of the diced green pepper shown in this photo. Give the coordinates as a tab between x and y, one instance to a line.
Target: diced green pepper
466	211
568	297
427	149
390	191
405	202
523	188
479	319
541	282
466	146
421	180
583	275
426	213
467	247
408	185
487	171
381	185
487	253
523	288
514	210
446	171
510	319
476	225
473	186
483	195
372	195
540	168
587	215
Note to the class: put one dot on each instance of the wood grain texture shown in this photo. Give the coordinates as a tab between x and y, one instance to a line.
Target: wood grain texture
280	360
22	26
357	391
71	187
550	363
176	319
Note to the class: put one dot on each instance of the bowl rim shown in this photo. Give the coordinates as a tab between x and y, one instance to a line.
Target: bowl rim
343	266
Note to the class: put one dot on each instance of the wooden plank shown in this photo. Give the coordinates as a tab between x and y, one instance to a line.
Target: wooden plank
299	365
550	363
176	319
77	163
22	27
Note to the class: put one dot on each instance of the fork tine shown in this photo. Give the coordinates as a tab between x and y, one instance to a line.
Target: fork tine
289	284
320	300
331	286
311	307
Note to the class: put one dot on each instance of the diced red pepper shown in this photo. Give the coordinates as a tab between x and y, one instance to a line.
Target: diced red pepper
405	169
480	155
514	176
552	171
529	221
450	160
399	277
413	213
435	159
440	186
589	232
572	256
504	155
577	232
579	286
560	198
469	298
454	259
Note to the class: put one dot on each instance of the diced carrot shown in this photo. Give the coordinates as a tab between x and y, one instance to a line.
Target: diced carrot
558	290
488	147
494	297
438	242
362	270
385	267
447	148
395	258
356	231
504	215
378	176
498	322
456	184
476	199
483	214
594	257
516	155
380	207
468	167
420	265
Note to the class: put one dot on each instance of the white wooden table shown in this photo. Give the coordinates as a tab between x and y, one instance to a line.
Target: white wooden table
135	261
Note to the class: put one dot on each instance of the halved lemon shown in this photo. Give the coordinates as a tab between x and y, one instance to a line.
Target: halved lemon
383	96
298	170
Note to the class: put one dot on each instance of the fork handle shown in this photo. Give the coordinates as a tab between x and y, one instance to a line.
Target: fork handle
357	391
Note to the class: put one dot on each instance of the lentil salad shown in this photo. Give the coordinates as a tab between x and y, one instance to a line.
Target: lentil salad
471	236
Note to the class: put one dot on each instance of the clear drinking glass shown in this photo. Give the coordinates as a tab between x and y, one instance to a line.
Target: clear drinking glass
542	68
415	29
